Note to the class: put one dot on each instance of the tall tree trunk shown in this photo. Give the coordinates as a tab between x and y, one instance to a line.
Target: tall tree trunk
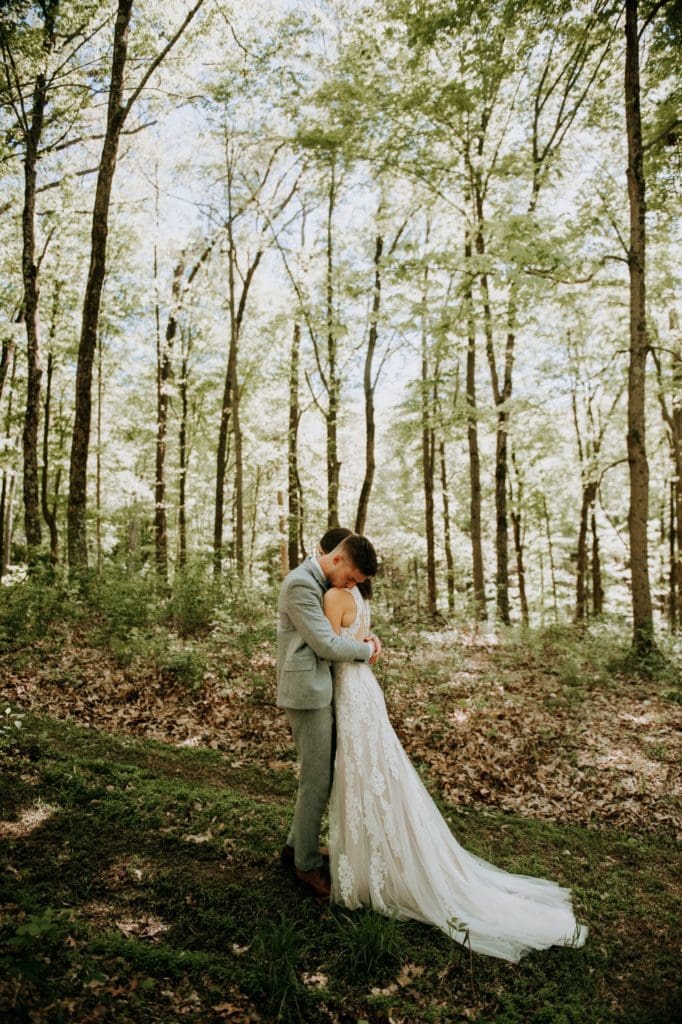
501	396
163	379
254	519
182	444
589	491
597	585
238	472
675	424
49	513
480	609
333	384
447	539
98	460
550	551
673	542
293	479
29	262
517	528
643	629
6	357
8	478
221	464
368	385
428	455
116	112
229	413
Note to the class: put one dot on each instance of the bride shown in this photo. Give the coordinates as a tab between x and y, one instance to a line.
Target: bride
390	848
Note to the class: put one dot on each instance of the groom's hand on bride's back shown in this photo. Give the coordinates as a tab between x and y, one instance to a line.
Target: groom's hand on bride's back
372	638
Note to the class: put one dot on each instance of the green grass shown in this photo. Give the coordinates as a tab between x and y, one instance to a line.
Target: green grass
152	892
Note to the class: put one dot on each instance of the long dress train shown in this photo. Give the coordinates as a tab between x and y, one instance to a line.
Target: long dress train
391	849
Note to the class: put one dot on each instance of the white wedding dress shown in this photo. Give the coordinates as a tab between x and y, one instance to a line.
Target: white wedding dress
390	848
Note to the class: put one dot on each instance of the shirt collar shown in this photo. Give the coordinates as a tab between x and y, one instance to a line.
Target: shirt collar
319	572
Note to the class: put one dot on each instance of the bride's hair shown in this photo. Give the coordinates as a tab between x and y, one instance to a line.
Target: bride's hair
335	537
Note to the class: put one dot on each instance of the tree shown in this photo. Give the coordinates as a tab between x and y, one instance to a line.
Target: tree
643	626
30	125
118	111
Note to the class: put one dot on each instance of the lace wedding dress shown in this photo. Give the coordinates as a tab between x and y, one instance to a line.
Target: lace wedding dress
390	848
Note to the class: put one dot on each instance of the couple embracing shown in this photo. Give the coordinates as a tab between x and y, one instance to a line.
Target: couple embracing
389	846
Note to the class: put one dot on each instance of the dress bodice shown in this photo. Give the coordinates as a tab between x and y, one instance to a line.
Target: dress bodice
361	620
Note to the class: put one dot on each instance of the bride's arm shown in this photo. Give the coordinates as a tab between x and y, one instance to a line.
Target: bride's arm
339	607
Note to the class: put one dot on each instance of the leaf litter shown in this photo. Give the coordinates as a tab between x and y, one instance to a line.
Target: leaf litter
481	730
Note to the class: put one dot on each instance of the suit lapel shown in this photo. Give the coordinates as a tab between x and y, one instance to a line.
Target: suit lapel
313	568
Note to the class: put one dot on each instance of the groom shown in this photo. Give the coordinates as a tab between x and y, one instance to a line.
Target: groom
306	645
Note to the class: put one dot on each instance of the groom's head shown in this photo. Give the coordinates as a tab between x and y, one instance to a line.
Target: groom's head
352	561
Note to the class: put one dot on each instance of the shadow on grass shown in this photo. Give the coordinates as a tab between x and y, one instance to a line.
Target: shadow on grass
148	889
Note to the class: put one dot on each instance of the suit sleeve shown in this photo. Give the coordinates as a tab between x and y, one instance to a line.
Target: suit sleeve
307	617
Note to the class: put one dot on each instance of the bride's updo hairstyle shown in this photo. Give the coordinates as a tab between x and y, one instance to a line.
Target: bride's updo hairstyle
340	537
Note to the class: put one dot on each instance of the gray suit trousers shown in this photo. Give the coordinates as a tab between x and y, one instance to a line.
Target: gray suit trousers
313	732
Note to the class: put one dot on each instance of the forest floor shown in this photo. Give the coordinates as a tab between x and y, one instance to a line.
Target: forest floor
145	799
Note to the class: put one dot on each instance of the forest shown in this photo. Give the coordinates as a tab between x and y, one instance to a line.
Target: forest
410	267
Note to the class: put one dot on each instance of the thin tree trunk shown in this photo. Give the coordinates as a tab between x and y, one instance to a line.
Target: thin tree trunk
428	454
501	397
238	471
643	629
8	503
49	514
480	609
673	423
221	467
589	491
8	349
284	565
116	112
98	460
229	414
30	271
163	379
672	547
254	519
293	479
550	550
517	527
597	586
368	384
676	444
333	464
100	397
8	477
182	485
447	540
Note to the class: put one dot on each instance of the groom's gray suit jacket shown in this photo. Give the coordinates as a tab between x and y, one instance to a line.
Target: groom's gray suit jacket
306	642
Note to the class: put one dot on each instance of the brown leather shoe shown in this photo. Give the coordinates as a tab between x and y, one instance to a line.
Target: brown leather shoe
287	857
316	881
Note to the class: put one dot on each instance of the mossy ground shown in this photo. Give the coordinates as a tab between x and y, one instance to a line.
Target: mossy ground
146	887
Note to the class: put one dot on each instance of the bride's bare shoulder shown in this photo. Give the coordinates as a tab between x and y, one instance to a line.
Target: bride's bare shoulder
338	598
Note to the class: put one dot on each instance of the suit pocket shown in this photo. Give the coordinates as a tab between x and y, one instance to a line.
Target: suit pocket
300	662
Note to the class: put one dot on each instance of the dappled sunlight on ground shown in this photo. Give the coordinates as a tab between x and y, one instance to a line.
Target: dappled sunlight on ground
29	820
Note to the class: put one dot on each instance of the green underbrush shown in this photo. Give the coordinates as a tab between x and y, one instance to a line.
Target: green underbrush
141	882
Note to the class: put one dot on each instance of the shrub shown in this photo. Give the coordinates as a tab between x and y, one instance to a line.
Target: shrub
32	606
193	599
372	945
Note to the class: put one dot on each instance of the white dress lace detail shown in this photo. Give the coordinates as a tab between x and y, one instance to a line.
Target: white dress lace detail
391	849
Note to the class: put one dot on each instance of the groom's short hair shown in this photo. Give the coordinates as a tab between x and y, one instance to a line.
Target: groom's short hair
361	553
332	538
